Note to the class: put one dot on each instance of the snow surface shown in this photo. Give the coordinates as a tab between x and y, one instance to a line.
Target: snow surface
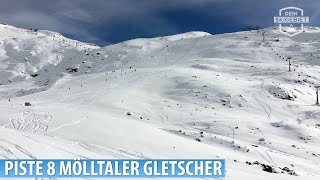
192	95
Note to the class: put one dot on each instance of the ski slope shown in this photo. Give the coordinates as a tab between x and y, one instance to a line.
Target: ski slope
192	95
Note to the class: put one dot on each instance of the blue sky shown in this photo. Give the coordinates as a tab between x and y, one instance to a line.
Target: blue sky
111	21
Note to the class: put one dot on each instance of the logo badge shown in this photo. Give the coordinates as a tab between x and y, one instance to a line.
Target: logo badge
291	20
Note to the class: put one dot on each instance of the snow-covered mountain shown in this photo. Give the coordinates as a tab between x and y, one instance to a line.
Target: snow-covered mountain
192	95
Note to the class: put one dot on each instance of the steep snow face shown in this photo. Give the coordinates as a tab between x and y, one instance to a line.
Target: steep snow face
192	95
24	54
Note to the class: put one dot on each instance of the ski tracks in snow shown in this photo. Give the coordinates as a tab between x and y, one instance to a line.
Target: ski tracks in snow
30	121
117	153
11	150
267	109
